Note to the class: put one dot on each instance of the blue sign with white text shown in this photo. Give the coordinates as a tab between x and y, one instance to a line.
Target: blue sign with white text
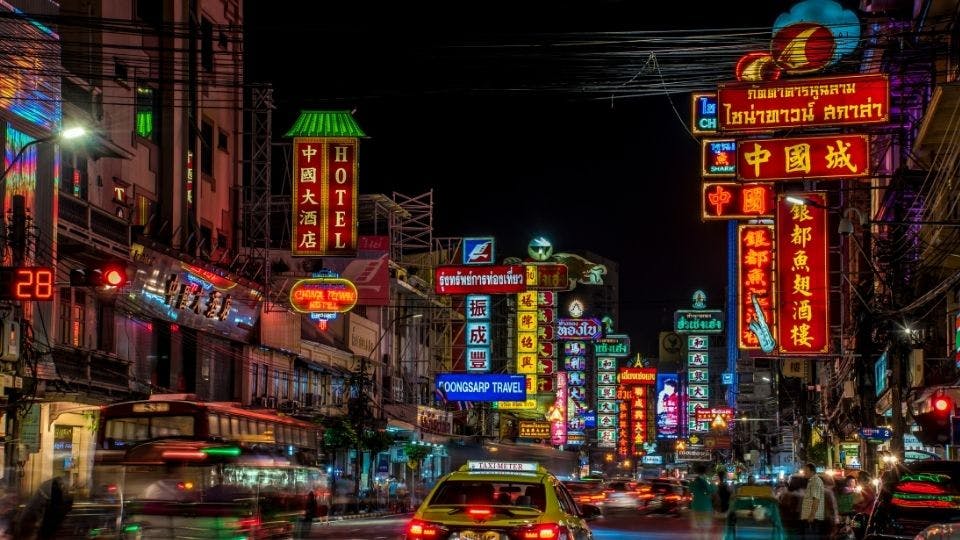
481	387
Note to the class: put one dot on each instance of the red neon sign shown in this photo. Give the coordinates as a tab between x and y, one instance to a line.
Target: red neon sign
323	295
325	196
823	101
802	317
733	200
754	277
796	158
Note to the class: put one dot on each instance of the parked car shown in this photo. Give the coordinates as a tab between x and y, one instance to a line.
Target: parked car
912	497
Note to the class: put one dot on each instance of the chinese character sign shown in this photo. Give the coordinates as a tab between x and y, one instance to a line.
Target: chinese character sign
823	101
797	158
719	157
754	277
325	196
802	275
527	339
734	200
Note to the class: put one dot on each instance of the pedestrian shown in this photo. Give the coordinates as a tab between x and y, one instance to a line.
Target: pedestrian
790	503
45	511
392	494
722	495
701	507
309	514
813	507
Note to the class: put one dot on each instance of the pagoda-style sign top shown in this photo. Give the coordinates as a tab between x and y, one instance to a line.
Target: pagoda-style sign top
325	124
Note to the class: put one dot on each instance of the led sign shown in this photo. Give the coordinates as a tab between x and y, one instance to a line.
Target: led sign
27	284
323	295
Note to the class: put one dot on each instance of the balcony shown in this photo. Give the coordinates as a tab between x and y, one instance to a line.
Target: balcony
83	224
88	369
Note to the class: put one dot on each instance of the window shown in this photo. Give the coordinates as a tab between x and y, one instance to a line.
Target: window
106	329
72	317
206	147
74	174
276	383
146	113
264	375
222	140
285	385
255	369
149	11
214	424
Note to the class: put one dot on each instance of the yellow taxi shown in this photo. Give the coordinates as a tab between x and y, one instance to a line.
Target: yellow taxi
501	500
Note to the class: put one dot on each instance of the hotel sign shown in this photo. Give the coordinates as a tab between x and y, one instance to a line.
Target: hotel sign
323	295
325	196
799	158
795	103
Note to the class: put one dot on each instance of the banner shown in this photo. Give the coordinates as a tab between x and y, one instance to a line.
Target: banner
481	387
668	406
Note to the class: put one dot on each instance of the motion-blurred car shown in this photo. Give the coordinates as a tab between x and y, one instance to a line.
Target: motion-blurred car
587	492
621	494
497	500
663	496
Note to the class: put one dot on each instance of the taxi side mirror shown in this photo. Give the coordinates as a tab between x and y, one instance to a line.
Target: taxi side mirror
590	512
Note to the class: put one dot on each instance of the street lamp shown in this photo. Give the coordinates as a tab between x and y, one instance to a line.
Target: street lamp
67	134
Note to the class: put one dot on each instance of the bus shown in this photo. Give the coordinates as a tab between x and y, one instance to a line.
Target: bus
174	467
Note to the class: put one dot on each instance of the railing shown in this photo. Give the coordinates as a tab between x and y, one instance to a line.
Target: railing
85	222
92	368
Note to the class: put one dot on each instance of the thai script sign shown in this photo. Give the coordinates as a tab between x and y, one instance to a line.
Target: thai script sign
754	277
533	429
547	276
802	317
325	196
323	295
704	113
719	157
482	387
700	321
612	345
709	414
502	279
632	376
734	200
579	329
797	158
824	101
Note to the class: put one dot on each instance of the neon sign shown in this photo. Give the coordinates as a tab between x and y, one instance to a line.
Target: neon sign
323	295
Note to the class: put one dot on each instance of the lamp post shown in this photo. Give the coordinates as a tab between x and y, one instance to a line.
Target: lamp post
16	404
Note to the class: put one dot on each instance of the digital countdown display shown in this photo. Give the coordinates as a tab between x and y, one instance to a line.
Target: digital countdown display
27	283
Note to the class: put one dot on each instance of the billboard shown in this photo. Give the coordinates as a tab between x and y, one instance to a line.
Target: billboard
481	387
800	158
668	406
492	279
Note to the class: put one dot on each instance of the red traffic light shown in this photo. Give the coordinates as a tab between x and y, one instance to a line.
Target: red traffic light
942	404
114	277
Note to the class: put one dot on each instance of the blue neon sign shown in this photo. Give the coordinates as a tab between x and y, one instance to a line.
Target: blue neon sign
482	387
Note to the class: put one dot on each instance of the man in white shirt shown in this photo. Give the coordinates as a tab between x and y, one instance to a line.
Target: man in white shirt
812	509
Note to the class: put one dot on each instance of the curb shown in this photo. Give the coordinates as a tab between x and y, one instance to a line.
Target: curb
327	520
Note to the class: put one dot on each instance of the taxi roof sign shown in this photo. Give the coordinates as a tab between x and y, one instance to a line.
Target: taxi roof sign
502	466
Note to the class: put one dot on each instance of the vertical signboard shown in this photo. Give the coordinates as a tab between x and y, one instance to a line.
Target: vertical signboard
607	410
575	365
802	317
754	278
668	406
558	420
324	196
478	332
527	346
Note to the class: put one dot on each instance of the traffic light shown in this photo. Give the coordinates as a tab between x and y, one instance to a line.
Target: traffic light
935	419
109	274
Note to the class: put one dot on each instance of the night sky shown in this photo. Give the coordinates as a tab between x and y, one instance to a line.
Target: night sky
515	141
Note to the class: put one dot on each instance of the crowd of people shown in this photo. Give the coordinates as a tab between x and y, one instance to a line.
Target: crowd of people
807	505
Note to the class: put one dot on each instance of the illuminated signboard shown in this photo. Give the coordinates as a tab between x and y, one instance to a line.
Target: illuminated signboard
634	376
497	279
579	329
481	387
735	200
798	158
709	414
719	157
547	276
638	419
477	335
699	321
802	317
323	295
27	283
612	345
325	196
558	417
704	114
478	250
668	406
754	277
528	340
533	429
793	103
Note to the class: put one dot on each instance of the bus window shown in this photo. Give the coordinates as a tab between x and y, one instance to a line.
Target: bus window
261	427
168	426
234	426
213	423
225	426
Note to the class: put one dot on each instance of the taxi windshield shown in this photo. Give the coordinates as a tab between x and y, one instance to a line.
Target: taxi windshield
490	493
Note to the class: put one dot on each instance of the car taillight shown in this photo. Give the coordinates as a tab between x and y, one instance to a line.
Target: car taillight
248	523
479	512
421	529
544	530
